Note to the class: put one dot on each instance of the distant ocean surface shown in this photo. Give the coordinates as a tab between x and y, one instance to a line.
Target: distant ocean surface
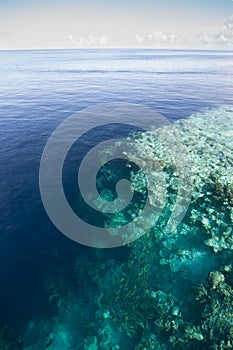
40	89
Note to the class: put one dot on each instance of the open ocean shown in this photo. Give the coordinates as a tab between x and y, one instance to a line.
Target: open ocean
38	90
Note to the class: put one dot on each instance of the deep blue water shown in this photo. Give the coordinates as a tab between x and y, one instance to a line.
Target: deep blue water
38	90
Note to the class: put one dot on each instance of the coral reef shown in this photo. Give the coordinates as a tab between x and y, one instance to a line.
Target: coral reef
183	254
217	317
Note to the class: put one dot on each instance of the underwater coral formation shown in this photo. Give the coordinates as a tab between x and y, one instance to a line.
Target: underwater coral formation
183	254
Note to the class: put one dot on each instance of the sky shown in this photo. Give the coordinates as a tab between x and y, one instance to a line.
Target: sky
34	24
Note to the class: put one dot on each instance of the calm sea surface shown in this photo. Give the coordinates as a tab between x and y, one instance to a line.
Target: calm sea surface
40	89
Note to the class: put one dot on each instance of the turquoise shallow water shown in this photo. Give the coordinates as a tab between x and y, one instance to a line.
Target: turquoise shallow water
57	294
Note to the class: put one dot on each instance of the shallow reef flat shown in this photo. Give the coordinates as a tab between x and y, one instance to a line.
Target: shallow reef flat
206	140
173	289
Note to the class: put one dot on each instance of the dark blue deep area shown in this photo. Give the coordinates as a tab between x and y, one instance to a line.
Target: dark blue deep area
38	90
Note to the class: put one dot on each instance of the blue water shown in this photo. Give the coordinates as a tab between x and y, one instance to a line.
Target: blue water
38	90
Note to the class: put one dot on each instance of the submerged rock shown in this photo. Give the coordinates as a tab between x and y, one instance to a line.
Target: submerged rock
216	278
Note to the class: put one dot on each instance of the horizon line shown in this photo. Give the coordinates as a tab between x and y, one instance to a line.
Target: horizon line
119	48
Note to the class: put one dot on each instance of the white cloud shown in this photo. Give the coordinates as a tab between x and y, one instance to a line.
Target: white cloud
225	36
221	39
89	40
157	38
200	40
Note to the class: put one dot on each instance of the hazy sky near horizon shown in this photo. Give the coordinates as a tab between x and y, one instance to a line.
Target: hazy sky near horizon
30	24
